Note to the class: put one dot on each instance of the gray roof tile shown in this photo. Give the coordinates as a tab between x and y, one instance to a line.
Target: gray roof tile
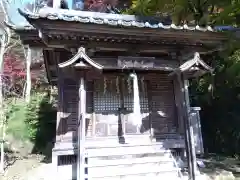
107	19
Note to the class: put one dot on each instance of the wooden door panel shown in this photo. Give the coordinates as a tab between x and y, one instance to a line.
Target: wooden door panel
162	103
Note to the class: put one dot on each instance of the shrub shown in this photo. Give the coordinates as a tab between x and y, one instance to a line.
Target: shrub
34	122
16	115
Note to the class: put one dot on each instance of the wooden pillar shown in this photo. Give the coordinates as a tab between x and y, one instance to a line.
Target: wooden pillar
187	126
122	109
81	129
178	102
28	86
187	100
56	57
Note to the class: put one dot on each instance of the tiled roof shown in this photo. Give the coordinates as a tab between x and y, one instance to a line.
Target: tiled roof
108	19
23	27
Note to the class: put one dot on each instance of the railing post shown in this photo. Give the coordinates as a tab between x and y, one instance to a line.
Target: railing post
195	121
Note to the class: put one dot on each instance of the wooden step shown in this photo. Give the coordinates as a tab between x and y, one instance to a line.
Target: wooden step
109	145
150	176
132	168
125	171
115	141
121	151
127	161
66	172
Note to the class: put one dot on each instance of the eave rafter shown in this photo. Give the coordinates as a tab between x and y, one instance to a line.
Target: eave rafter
81	54
193	65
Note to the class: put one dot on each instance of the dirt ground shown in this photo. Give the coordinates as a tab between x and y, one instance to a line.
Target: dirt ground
29	168
218	167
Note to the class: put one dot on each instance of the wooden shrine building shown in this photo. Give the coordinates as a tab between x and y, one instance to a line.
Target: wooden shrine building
123	103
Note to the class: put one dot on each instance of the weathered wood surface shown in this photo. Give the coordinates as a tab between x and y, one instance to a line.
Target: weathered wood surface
106	106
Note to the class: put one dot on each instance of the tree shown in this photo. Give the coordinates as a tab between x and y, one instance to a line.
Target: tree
220	107
182	11
28	56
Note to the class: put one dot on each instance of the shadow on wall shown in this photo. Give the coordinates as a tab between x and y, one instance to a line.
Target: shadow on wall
45	128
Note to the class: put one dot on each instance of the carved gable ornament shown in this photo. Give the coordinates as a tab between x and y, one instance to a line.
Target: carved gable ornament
81	55
194	64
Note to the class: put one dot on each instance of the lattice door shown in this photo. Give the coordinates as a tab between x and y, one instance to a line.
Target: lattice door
106	103
113	106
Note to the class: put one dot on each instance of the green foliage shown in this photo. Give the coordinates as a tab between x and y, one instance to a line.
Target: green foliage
184	11
34	122
32	115
16	113
218	95
220	110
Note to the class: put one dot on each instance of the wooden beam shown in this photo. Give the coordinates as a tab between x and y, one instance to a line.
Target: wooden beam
118	45
156	64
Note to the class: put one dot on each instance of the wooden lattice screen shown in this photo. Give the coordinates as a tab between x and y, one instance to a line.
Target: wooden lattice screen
105	96
109	92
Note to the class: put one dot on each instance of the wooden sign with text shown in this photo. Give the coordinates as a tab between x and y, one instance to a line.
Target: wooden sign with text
135	62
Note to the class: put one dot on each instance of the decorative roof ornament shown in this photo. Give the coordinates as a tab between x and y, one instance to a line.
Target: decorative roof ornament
193	64
83	56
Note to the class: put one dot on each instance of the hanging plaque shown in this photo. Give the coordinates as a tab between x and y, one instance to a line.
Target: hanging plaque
126	62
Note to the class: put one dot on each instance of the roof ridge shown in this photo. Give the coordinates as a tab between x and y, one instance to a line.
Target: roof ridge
107	19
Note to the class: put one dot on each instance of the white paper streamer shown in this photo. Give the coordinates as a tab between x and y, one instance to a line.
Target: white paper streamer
137	120
105	85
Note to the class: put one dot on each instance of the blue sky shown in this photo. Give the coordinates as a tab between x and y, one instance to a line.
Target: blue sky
13	14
